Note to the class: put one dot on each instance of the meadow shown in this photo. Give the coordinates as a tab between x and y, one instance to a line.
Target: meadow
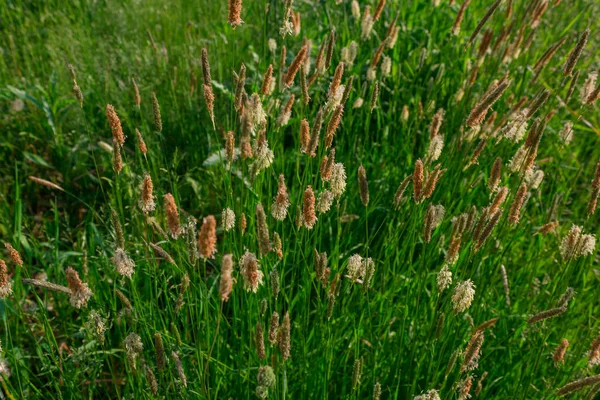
299	199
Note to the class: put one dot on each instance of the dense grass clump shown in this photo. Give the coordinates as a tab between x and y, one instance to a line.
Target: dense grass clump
299	199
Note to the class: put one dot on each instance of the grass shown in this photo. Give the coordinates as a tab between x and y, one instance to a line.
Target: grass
401	328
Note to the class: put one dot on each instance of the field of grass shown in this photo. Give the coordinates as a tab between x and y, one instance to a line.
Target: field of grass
434	239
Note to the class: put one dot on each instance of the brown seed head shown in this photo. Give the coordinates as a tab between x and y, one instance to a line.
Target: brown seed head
260	342
333	124
206	68
266	83
13	254
551	313
235	12
472	350
495	175
485	18
327	165
575	54
330	46
315	134
515	208
136	93
285	337
156	111
459	17
378	10
80	292
294	67
207	237
226	283
559	353
281	204
337	79
5	285
172	215
363	185
117	159
141	143
242	223
418	177
262	230
273	328
115	125
147	201
308	208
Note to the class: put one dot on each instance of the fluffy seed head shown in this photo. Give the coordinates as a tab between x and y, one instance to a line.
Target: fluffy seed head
80	292
463	296
324	201
253	277
444	278
228	219
235	11
123	263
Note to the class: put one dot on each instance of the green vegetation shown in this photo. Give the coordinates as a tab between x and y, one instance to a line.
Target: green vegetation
360	293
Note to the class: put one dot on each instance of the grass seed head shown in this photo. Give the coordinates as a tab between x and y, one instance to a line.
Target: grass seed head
253	276
80	292
273	329
226	282
172	215
207	237
309	217
235	12
575	54
156	111
13	254
5	284
463	296
115	125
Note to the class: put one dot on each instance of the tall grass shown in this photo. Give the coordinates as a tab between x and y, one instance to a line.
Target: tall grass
401	206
